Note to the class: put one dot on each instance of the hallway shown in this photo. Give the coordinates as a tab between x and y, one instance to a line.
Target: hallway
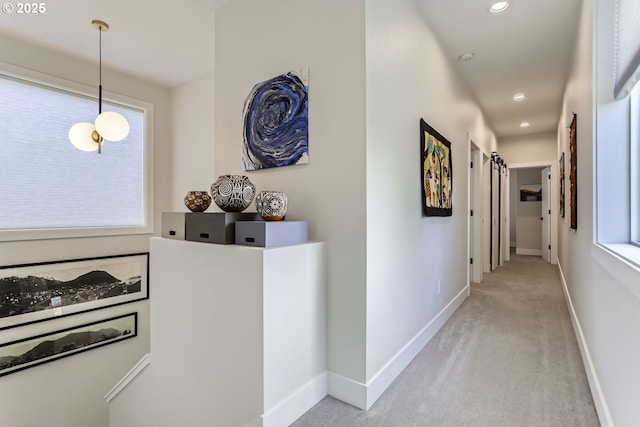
507	357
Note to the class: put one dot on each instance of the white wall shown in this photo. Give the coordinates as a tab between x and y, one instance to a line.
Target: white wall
408	78
606	311
536	147
192	149
71	391
257	40
382	286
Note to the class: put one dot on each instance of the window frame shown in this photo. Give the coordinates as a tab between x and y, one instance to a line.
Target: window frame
83	90
614	167
634	165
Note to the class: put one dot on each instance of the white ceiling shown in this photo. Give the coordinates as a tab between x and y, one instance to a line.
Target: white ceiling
525	49
168	42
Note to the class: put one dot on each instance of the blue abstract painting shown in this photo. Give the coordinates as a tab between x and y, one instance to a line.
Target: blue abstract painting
276	122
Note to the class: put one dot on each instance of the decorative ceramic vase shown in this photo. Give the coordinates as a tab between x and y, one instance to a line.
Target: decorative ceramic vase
272	205
233	193
197	201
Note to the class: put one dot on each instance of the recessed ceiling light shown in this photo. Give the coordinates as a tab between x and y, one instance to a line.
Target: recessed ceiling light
519	97
498	6
525	124
468	56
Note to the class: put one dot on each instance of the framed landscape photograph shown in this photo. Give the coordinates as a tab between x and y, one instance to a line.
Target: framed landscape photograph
32	351
436	173
36	292
531	192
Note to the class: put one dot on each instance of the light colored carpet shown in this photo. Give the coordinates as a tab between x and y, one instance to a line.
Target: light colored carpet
507	357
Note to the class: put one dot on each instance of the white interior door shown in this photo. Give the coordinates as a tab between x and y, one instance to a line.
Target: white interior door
545	215
485	205
476	214
472	198
506	227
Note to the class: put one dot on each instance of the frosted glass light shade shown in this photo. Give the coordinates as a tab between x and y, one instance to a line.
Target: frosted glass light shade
499	6
80	136
112	126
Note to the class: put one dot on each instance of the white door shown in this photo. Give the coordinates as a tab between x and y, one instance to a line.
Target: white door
545	215
475	214
472	200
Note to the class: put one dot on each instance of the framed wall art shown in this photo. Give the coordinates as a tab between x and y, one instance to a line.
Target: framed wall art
436	172
531	193
276	122
32	351
573	173
562	185
32	293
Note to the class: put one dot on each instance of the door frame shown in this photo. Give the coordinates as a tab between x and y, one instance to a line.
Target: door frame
553	201
546	216
475	202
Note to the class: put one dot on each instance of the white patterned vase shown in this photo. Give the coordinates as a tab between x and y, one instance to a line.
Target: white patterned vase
272	205
233	193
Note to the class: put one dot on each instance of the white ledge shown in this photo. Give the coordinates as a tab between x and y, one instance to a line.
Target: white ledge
139	367
622	261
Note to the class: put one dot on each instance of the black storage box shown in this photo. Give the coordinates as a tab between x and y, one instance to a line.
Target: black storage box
215	227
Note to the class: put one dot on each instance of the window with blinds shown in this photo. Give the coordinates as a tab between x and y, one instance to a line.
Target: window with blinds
626	47
617	130
48	188
626	76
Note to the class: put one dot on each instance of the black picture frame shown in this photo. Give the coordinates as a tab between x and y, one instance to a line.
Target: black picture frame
31	293
436	172
33	351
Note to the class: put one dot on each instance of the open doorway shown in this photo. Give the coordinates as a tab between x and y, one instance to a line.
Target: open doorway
531	221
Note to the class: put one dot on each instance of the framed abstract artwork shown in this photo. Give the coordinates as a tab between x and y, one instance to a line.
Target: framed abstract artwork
562	185
276	122
32	293
436	172
36	350
573	173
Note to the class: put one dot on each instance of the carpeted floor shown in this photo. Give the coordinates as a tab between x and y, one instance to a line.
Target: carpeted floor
507	357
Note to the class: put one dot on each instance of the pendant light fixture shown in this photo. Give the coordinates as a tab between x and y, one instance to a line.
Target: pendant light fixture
109	125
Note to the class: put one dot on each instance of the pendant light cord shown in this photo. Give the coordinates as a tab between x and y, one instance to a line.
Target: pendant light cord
100	67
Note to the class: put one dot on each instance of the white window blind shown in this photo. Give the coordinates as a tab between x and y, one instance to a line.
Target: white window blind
627	47
46	183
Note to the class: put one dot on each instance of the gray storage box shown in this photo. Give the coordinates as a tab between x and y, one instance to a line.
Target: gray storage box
268	234
215	227
173	225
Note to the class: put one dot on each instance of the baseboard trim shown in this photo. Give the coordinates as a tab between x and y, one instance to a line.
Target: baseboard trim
523	251
256	422
295	405
389	372
596	390
363	396
347	390
130	376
